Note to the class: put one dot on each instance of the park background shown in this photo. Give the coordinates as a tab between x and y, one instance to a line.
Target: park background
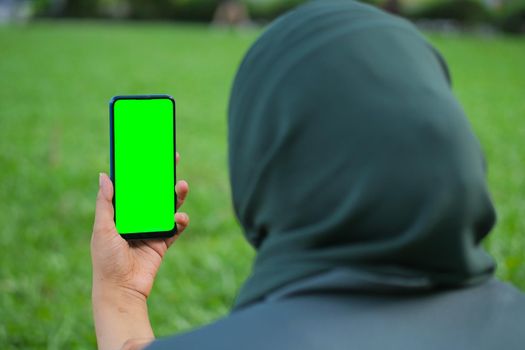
62	60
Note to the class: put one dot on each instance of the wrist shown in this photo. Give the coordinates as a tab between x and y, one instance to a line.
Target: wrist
105	292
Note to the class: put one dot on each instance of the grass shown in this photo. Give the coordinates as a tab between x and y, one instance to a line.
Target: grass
55	82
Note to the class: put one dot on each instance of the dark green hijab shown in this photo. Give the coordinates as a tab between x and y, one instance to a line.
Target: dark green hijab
348	150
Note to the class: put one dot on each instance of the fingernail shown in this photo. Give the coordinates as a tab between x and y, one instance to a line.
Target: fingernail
100	180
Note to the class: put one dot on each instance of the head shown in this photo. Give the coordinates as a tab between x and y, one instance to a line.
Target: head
348	149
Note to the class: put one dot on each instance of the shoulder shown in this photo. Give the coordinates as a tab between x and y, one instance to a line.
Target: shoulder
487	316
270	325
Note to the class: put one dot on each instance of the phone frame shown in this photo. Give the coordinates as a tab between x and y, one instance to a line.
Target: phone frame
139	235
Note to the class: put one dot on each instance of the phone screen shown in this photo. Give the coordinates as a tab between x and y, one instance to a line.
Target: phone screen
143	165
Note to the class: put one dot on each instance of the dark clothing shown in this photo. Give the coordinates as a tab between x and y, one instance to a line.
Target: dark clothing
484	317
357	177
348	148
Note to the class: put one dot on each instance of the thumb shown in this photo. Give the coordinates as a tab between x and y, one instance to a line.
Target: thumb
104	208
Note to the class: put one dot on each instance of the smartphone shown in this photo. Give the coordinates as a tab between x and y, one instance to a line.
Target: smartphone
142	165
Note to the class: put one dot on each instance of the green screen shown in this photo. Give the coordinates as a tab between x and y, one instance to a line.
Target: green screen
144	165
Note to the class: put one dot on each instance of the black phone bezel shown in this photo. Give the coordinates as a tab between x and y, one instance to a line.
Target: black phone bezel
114	99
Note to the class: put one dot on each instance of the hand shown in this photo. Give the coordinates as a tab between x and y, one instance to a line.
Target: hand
131	265
124	272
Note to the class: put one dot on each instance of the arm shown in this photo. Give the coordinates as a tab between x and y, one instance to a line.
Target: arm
121	318
123	274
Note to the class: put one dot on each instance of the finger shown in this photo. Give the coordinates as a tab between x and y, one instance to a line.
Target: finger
182	220
181	191
177	158
104	206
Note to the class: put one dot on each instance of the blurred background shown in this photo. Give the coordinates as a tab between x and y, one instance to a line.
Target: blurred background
62	60
504	15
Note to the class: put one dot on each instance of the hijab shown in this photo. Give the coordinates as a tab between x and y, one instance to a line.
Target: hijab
349	151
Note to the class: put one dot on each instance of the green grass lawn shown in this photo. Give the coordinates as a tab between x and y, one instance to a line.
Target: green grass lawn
55	82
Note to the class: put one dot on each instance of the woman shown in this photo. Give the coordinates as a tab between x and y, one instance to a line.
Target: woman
357	178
